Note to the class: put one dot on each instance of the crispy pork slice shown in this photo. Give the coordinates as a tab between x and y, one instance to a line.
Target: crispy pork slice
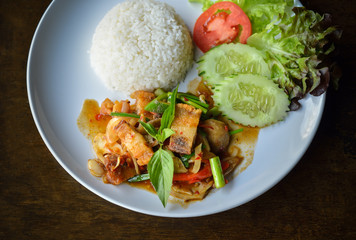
142	99
134	142
185	125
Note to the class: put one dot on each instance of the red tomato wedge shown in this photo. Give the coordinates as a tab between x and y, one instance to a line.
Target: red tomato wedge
222	23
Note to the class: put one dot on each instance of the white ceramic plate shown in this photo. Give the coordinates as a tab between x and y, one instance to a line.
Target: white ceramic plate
59	78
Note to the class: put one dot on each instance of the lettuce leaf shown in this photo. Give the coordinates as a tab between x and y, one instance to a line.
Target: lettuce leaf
294	47
263	12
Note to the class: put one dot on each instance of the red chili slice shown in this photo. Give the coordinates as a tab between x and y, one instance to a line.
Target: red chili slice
205	172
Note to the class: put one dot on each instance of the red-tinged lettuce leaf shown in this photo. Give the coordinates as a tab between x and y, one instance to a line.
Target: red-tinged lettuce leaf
295	48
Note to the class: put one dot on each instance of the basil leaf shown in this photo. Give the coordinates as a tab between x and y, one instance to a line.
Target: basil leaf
149	129
187	157
185	160
161	169
139	178
168	115
166	133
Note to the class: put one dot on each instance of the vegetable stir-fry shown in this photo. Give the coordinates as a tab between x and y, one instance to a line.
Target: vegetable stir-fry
175	141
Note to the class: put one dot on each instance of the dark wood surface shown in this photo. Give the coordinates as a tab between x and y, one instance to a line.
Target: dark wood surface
40	200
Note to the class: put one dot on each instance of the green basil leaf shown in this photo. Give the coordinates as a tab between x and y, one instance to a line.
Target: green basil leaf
161	169
139	178
185	159
149	129
168	115
166	133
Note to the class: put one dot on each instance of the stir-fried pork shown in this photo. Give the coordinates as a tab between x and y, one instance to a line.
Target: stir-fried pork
185	125
134	142
142	99
118	172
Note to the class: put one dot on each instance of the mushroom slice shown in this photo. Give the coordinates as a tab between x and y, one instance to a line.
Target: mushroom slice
218	135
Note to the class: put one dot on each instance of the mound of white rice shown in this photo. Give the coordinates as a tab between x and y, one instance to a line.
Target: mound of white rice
141	45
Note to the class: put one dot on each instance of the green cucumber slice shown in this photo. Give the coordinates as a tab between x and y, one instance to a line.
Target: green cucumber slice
251	100
229	59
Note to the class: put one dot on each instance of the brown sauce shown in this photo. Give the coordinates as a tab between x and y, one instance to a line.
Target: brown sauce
145	185
90	122
242	144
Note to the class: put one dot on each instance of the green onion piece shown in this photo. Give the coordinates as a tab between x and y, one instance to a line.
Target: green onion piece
159	91
139	178
194	99
119	114
190	99
236	131
156	106
217	172
188	95
187	101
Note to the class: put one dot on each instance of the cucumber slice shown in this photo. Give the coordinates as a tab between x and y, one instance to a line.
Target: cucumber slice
251	100
233	58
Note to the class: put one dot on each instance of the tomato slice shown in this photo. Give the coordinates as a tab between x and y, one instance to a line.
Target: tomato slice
222	23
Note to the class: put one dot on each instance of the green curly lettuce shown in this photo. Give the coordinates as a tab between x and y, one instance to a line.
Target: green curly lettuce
294	47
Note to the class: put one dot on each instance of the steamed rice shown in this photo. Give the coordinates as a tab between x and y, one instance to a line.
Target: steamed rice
141	45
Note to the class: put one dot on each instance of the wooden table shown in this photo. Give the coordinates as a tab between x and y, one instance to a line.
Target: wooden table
40	200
